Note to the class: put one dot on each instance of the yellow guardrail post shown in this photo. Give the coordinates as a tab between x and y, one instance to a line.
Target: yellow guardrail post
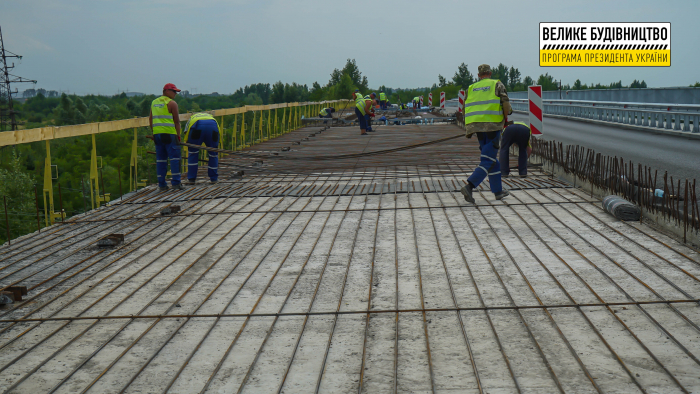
243	145
234	137
94	177
49	214
275	130
284	119
260	127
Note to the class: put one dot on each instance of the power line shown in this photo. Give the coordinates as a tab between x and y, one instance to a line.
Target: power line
8	120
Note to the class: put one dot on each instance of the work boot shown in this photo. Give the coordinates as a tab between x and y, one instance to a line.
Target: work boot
191	182
523	175
505	175
213	182
466	191
178	187
501	194
163	188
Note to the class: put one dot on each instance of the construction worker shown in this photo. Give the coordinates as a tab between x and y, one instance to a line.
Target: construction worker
371	98
202	128
519	134
382	100
415	101
326	113
362	108
485	110
164	120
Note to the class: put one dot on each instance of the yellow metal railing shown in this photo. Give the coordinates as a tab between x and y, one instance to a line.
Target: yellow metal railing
291	120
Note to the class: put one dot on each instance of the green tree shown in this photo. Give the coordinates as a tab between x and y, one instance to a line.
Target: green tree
441	81
528	81
547	82
500	73
463	78
513	78
17	188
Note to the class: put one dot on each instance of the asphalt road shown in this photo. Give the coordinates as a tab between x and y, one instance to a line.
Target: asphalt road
678	155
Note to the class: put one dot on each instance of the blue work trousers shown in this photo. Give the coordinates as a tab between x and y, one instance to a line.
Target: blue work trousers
519	135
382	104
361	119
368	122
203	132
489	163
167	149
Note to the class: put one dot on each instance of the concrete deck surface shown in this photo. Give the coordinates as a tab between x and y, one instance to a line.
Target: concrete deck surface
361	274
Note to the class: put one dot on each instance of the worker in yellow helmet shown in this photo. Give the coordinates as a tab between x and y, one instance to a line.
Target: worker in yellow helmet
164	121
202	128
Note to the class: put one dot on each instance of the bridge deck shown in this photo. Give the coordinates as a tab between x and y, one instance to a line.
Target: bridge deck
366	274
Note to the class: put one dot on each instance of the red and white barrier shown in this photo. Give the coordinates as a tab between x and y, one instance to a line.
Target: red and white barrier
442	100
430	99
420	102
534	96
461	96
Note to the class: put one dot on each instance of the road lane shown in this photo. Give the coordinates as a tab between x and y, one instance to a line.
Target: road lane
678	155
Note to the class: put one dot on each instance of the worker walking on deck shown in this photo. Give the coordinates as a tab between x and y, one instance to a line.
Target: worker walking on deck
519	134
382	100
485	110
164	120
202	128
362	108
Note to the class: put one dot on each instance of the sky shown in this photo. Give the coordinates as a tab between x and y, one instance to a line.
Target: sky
108	46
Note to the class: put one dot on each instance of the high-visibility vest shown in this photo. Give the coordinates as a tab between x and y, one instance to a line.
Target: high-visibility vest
382	96
360	103
197	117
482	104
162	119
323	112
416	99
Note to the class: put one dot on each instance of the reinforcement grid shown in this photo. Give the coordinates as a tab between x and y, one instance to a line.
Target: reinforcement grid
370	289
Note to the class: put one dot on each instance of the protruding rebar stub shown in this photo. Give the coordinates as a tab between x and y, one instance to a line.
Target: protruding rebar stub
286	149
237	175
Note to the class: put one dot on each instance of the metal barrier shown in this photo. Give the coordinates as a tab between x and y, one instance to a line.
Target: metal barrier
264	126
678	117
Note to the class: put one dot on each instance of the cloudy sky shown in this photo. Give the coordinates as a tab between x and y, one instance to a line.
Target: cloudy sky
106	46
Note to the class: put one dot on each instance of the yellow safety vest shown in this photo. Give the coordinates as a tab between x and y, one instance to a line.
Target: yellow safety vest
360	103
382	96
416	99
197	117
482	104
162	119
323	112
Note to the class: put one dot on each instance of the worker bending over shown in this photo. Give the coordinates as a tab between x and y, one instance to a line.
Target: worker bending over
326	113
485	109
382	100
416	102
202	129
362	108
371	98
164	120
519	134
